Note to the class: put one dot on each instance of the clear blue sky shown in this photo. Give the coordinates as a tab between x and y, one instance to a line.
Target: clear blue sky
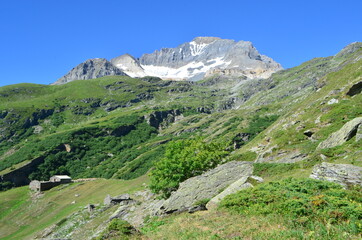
41	40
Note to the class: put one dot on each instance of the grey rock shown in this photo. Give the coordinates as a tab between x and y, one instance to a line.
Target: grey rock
337	138
134	212
256	178
343	174
108	200
233	188
206	186
38	129
92	68
359	133
124	210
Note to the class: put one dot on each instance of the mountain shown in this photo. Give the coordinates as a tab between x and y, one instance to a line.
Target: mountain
206	56
92	68
195	60
123	135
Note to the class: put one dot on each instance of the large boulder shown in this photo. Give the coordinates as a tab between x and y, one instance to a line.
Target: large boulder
343	174
194	191
359	133
342	135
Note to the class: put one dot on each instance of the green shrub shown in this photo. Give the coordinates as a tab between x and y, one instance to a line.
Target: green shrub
184	159
302	202
118	229
259	124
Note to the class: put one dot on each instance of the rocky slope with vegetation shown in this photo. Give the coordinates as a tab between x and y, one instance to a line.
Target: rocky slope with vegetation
246	149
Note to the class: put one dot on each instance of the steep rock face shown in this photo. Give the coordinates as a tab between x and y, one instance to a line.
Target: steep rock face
92	68
202	57
343	174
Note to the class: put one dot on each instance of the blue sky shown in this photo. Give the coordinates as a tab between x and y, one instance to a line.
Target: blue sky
41	40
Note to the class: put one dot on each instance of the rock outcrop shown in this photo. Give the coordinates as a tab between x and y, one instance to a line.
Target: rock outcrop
355	89
158	119
92	68
200	188
146	205
343	174
348	131
108	200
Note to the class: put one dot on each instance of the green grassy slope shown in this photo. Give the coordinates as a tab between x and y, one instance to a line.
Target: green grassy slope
25	214
107	124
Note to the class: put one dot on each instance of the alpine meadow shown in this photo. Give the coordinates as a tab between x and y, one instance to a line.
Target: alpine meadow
207	140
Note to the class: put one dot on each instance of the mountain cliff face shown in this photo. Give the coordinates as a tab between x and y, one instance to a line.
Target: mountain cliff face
92	68
195	60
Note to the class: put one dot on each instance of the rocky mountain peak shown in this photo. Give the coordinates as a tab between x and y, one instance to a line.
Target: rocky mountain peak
205	56
91	68
207	40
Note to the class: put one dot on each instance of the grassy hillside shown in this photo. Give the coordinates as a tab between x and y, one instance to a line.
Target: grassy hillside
25	214
119	128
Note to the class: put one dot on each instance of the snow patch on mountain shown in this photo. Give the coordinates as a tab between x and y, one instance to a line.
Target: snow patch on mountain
197	48
185	72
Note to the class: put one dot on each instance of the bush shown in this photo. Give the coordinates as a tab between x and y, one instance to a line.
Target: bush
118	229
184	159
259	124
302	202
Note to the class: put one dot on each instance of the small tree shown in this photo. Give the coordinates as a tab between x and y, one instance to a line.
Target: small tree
184	159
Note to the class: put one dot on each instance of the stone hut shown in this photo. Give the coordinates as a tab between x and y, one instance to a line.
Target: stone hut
46	185
61	179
